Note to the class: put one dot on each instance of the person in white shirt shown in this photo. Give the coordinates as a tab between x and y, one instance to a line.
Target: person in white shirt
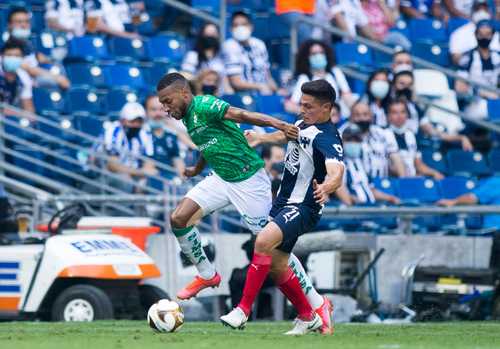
109	17
463	39
397	114
349	16
315	60
127	142
65	16
377	95
380	150
459	8
246	58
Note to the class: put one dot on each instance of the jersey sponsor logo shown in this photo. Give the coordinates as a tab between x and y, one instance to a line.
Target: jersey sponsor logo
195	119
292	161
208	144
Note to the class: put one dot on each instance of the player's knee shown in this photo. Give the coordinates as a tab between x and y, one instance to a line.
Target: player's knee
178	220
263	245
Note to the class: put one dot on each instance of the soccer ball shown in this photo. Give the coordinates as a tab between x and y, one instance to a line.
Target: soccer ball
165	316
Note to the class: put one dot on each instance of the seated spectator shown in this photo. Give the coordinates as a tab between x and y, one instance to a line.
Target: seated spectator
380	150
401	59
381	18
109	17
246	57
377	95
291	10
481	65
403	88
207	56
15	84
463	39
127	142
208	83
65	16
397	114
356	188
349	16
19	27
165	143
423	9
487	193
315	60
459	8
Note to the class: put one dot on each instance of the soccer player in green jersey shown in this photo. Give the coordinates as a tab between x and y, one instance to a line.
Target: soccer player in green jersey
238	176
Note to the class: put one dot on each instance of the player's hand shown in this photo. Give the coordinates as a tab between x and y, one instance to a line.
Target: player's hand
252	138
191	172
320	195
291	132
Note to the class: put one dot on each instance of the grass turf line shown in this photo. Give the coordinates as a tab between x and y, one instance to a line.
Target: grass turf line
257	335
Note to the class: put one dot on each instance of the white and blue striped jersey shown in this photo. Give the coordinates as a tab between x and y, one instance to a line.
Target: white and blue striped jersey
305	161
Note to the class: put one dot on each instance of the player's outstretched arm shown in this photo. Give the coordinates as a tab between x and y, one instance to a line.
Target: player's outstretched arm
254	139
258	119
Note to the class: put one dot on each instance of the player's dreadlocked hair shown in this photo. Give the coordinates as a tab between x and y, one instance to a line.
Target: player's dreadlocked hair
321	90
170	79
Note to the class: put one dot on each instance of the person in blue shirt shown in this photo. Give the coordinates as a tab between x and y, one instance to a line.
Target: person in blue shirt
487	193
165	142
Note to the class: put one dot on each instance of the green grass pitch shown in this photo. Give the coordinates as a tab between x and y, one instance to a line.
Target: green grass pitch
258	335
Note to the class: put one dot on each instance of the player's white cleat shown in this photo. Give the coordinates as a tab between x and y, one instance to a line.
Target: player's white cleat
236	319
302	327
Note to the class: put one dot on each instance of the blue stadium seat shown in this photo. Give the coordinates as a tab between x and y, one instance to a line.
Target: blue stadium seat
48	100
245	101
123	75
86	75
127	49
434	159
166	48
279	52
494	160
454	23
387	185
154	72
451	187
28	159
82	99
116	98
418	189
494	109
19	130
427	29
261	22
89	124
273	105
38	19
464	163
431	51
278	28
353	54
87	48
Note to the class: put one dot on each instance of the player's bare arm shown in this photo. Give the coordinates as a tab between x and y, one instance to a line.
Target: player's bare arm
333	181
196	169
255	139
258	119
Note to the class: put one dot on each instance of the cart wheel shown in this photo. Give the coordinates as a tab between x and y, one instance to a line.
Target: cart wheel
495	313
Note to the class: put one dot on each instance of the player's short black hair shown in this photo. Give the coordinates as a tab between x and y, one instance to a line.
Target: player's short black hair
240	13
13	43
169	79
16	10
321	90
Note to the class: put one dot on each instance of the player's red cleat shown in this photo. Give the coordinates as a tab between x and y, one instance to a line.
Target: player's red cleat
197	285
326	314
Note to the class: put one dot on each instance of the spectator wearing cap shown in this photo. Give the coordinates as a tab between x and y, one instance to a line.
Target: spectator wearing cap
247	59
356	188
463	39
397	114
165	142
129	145
19	27
481	65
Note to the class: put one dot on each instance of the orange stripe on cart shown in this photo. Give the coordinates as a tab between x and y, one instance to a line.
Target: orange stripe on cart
107	272
9	303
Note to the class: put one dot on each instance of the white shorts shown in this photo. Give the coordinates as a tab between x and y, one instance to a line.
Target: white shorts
251	197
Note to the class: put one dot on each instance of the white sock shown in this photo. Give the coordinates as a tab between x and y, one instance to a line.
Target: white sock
314	298
190	243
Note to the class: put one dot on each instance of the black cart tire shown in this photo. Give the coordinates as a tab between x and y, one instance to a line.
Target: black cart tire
149	295
82	303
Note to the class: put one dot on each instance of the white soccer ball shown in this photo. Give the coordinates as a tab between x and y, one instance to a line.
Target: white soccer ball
165	316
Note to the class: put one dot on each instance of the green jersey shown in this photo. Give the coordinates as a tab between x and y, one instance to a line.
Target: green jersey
221	141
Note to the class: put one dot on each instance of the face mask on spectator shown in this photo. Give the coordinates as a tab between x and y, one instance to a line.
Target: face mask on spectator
484	42
242	33
12	63
405	92
379	88
352	149
155	124
209	42
132	132
208	89
318	61
21	33
364	125
398	130
480	16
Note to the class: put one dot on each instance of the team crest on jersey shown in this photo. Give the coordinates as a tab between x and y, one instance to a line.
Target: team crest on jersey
304	141
195	119
292	160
